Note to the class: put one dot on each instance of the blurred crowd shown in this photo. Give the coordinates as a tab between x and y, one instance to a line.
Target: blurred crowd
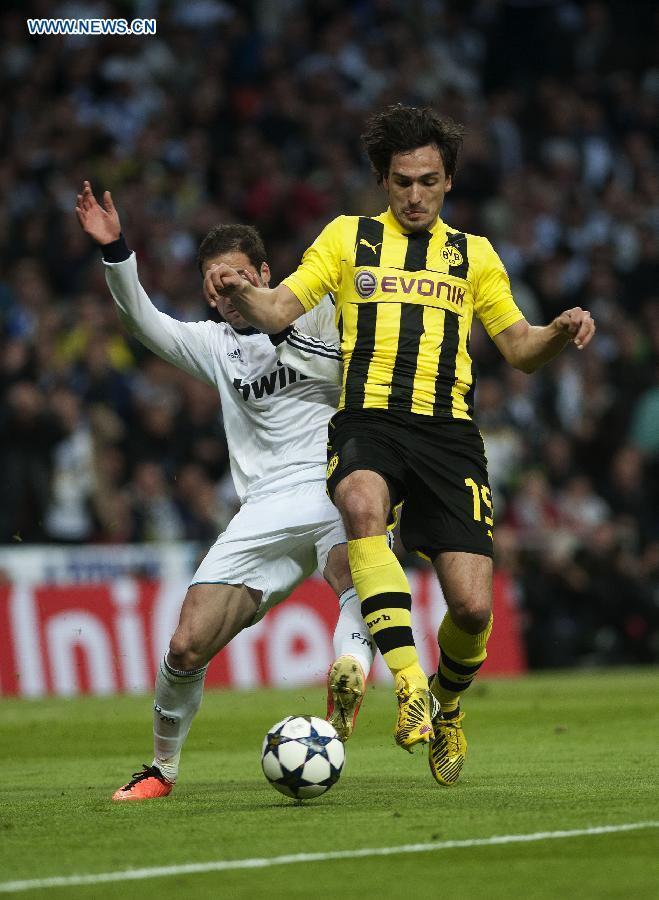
252	112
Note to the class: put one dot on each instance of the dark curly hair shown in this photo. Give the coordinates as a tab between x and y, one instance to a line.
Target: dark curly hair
227	238
398	129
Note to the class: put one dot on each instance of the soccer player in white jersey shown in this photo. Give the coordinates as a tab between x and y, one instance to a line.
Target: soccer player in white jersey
276	425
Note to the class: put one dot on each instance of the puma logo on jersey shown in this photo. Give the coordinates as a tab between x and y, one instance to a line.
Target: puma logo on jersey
267	384
373	247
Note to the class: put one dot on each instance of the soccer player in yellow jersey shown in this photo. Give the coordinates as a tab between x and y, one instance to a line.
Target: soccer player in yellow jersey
407	287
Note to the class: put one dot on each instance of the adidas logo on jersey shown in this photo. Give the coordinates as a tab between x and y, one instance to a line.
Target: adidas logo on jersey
267	384
236	354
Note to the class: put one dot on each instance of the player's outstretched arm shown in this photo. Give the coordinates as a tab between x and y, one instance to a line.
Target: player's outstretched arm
268	309
184	344
101	223
528	347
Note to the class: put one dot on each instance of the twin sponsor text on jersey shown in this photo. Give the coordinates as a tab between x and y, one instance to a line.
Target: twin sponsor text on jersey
266	385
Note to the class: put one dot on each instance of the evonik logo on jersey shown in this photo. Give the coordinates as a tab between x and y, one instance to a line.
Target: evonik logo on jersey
367	283
268	384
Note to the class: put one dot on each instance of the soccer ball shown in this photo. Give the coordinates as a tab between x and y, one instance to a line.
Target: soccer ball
302	756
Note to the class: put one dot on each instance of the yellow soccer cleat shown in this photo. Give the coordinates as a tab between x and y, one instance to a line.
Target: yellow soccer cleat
448	749
413	725
346	684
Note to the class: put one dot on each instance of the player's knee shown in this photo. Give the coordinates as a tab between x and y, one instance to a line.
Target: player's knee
471	616
185	653
360	515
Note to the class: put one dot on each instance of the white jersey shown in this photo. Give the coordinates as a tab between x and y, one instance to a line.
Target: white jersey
277	394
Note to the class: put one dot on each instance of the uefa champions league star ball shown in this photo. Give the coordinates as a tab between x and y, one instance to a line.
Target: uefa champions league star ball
302	756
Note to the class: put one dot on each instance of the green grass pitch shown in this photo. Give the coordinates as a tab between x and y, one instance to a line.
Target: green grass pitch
547	752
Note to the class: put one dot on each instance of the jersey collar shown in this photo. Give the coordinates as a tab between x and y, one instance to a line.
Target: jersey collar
390	219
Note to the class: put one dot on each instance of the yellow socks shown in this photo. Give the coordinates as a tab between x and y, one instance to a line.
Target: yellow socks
461	656
386	607
386	603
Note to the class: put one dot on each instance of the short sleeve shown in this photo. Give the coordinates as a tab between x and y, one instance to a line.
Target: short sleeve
320	270
493	300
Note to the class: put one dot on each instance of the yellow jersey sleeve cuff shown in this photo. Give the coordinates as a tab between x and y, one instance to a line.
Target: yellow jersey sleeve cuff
503	322
306	298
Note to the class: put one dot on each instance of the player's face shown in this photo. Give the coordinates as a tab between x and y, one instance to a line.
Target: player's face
416	186
241	263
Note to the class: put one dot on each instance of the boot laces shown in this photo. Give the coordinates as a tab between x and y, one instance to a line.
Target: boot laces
147	772
452	728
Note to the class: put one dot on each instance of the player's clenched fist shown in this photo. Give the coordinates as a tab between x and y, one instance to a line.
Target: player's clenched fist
576	322
222	280
100	222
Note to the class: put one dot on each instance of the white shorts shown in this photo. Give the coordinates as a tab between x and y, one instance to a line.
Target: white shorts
273	543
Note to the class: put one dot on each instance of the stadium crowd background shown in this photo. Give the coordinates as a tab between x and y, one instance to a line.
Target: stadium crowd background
252	112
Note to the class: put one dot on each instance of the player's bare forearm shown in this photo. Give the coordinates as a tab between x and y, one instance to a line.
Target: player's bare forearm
529	347
259	307
536	347
268	309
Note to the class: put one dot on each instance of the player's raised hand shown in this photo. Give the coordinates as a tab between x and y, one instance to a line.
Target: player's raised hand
576	322
100	222
222	280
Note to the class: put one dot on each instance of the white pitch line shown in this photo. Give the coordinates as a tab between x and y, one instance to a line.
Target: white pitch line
223	865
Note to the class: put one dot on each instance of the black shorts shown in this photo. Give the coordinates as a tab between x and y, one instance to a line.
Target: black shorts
436	466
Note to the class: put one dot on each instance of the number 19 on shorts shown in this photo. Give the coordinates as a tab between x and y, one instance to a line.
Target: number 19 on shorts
483	509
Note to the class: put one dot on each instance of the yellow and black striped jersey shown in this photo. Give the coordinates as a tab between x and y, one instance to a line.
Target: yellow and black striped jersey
404	306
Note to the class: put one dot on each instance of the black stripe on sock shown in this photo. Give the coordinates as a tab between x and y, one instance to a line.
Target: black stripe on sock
394	638
454	686
386	601
459	668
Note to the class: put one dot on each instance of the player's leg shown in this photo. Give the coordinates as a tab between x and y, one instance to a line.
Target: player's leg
466	580
353	647
211	616
448	517
351	634
364	500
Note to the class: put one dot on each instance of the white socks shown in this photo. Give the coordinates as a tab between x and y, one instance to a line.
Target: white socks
178	697
351	635
179	693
